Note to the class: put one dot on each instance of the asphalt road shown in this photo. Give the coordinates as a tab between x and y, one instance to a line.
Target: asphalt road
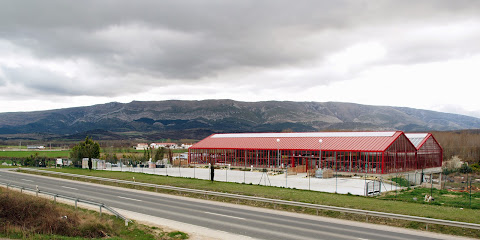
251	222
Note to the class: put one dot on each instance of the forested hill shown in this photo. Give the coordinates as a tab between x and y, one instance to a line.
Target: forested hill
198	119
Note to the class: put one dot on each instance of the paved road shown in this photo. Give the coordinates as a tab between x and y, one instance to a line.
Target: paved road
251	222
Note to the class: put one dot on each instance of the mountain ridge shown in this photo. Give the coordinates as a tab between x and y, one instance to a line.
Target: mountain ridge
188	118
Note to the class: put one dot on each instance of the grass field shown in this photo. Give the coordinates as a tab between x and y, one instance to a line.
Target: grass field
349	201
24	154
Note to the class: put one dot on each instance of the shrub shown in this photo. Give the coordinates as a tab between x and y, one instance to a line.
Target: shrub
475	167
465	168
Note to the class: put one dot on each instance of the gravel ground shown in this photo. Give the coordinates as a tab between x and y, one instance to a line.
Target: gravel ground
351	185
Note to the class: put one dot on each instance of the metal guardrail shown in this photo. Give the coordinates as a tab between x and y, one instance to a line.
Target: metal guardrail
77	200
367	213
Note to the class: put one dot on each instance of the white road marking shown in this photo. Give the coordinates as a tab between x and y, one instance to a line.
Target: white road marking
26	180
362	239
130	199
69	188
225	215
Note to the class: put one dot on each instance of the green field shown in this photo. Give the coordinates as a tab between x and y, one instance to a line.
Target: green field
24	154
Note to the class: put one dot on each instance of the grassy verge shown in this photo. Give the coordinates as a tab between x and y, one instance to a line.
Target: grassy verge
27	217
350	201
441	197
43	153
3	166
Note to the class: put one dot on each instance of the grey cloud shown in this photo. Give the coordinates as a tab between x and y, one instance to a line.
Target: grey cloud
208	37
43	82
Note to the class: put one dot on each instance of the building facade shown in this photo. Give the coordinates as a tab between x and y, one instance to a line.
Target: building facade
351	152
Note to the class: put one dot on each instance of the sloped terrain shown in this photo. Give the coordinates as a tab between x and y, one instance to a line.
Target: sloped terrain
197	119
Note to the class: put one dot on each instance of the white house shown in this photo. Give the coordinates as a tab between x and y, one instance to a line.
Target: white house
165	145
142	146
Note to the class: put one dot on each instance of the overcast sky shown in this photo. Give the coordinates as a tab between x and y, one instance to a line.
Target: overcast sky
419	54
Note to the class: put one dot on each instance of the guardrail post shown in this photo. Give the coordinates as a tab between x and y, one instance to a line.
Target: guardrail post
366	217
76	200
426	226
317	211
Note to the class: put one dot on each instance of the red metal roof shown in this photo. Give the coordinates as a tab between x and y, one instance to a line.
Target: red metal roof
331	141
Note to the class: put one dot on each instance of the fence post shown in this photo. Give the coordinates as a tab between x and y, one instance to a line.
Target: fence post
36	192
76	200
126	223
100	210
55	198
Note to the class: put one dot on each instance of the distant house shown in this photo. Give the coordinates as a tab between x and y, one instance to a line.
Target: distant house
35	147
142	146
164	145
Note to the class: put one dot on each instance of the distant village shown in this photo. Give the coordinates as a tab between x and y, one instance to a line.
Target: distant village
145	146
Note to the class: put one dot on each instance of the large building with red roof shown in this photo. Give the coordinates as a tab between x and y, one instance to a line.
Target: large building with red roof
352	152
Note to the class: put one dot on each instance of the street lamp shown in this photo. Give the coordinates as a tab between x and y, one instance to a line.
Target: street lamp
320	152
319	159
278	152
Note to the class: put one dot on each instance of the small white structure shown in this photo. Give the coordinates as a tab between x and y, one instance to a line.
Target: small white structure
181	156
35	147
185	146
164	145
142	146
96	163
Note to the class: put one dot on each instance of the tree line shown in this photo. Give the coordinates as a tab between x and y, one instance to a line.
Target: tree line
465	144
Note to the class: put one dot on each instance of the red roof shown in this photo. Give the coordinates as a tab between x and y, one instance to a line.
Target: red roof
331	141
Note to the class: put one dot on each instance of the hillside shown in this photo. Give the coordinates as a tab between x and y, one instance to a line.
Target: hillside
197	119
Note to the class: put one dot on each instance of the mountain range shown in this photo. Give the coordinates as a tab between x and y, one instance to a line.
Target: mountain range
197	119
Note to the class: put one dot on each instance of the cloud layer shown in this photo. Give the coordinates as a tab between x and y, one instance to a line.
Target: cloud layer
98	51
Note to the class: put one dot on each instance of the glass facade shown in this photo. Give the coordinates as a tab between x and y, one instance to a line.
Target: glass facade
429	155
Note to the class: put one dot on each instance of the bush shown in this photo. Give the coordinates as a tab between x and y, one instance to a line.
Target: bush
465	168
178	235
39	216
475	167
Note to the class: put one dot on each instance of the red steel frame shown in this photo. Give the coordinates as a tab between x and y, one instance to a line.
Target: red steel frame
400	156
429	153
